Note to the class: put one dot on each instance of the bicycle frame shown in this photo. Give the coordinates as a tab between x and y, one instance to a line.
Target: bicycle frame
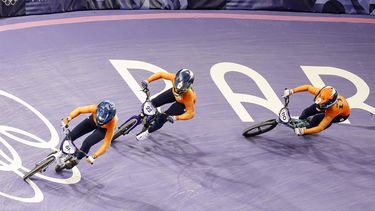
285	118
67	150
138	120
146	117
67	147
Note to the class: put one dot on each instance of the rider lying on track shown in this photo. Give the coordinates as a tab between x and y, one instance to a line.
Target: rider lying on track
329	107
102	121
181	95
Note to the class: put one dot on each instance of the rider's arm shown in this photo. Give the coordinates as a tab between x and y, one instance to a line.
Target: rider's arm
107	139
82	110
158	75
322	125
304	88
189	114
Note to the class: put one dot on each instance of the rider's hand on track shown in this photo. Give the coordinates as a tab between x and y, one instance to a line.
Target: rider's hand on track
299	130
171	119
287	92
144	84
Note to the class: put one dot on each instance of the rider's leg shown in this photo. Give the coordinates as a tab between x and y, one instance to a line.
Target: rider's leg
340	118
174	109
164	98
309	111
90	141
316	119
86	126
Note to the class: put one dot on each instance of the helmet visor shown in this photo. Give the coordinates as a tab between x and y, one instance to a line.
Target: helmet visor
326	103
181	87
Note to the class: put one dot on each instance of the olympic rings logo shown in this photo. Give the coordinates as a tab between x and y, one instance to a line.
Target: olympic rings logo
13	163
9	2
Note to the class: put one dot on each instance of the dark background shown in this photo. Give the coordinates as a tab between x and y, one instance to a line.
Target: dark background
32	7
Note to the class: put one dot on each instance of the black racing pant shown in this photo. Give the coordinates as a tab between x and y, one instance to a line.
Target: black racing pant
175	109
316	116
86	126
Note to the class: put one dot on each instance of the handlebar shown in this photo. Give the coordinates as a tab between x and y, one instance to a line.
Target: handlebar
147	92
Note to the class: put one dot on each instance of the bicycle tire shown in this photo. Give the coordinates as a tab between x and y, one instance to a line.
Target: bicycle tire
260	128
39	167
124	129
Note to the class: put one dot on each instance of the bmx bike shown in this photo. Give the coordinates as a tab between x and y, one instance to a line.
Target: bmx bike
283	118
146	117
67	152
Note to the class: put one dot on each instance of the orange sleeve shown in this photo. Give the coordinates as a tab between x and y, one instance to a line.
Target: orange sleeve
304	88
83	110
107	138
158	75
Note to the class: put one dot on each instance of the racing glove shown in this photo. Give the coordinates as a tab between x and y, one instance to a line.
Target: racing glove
144	84
287	92
65	122
171	119
90	159
299	131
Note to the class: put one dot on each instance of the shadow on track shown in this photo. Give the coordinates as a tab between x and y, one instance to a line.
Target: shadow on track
337	156
95	194
174	148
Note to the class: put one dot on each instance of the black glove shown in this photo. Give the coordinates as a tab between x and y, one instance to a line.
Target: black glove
144	84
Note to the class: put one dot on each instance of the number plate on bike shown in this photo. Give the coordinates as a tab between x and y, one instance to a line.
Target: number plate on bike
149	109
68	147
284	115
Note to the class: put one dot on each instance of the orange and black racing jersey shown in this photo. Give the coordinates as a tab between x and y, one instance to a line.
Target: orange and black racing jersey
110	126
188	98
341	107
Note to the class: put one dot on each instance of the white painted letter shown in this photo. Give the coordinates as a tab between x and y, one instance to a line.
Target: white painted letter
123	66
270	102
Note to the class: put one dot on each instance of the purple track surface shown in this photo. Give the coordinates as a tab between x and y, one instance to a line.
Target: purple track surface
204	163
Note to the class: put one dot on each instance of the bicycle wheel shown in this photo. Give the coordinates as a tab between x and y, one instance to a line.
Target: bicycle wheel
260	128
124	129
39	167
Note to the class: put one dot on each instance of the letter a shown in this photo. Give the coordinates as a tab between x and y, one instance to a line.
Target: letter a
271	101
